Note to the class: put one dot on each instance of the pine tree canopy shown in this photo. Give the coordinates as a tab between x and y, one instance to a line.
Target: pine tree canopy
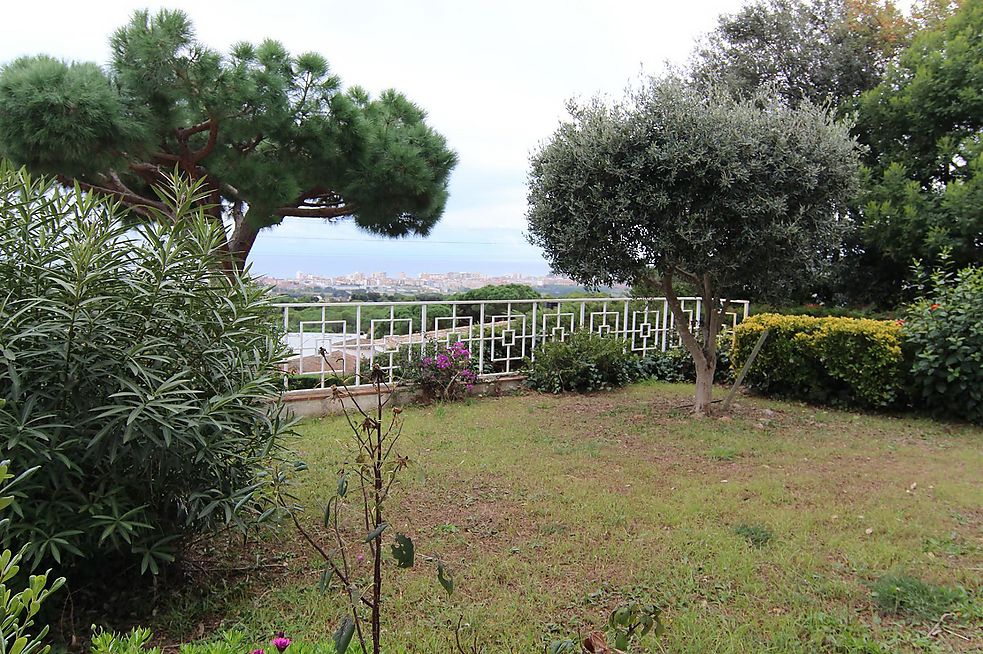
268	134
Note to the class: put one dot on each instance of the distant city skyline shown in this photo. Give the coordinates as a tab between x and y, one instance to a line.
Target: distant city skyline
403	282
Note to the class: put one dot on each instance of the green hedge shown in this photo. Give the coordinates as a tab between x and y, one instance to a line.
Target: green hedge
838	361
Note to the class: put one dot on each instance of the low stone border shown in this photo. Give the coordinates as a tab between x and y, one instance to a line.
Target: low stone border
317	402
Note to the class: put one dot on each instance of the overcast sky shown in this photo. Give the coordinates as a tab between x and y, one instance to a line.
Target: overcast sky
493	77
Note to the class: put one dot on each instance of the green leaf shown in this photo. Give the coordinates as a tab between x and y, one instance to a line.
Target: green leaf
403	551
325	582
445	578
375	533
343	484
327	514
343	636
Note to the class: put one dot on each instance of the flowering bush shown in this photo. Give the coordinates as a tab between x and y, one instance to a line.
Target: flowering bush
943	338
441	372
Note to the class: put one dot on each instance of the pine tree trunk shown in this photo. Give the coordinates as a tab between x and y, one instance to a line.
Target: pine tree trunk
241	243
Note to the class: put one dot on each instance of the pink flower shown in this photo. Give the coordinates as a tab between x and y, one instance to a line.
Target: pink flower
258	651
360	557
281	642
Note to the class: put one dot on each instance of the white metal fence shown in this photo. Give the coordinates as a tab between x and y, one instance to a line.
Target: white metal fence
501	334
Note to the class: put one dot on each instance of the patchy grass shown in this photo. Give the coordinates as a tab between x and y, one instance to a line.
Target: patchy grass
908	596
756	535
552	510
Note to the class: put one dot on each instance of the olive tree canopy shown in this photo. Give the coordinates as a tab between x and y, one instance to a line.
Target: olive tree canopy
735	197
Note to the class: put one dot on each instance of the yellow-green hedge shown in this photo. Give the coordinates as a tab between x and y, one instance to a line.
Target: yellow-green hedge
843	361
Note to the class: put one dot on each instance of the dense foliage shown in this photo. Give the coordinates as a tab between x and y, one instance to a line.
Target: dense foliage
924	127
839	361
943	333
19	604
137	375
912	83
737	197
675	364
495	292
269	134
583	362
818	50
499	292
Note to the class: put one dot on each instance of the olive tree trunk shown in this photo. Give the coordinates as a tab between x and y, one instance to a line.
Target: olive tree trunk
700	340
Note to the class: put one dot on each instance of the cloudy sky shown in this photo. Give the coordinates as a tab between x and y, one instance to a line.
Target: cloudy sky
493	76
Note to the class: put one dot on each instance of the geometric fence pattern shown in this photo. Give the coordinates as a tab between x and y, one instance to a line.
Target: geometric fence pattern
502	334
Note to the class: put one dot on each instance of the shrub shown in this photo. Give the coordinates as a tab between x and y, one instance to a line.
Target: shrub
823	311
307	381
676	364
441	372
943	333
139	377
840	361
18	608
584	362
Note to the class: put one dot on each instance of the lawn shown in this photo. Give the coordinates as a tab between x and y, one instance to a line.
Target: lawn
760	532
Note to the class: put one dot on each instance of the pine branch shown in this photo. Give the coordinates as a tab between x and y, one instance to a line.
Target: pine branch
316	212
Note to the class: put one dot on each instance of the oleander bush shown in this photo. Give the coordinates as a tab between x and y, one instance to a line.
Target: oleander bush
137	375
583	362
943	339
21	597
838	361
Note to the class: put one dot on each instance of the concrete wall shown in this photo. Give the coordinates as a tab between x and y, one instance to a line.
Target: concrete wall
333	401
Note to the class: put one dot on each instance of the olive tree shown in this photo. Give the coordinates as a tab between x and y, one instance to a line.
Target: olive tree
734	197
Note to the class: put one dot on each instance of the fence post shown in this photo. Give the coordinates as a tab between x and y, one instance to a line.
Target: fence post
481	338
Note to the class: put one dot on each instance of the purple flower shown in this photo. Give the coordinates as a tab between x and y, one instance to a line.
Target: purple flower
443	361
281	642
426	361
258	651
